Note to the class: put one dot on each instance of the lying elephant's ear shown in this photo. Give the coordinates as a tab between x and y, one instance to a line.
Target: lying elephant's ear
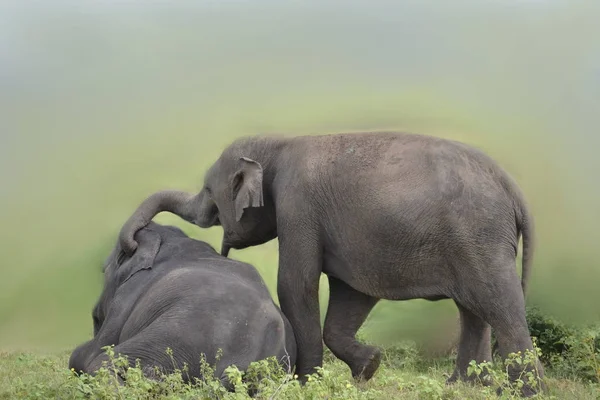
143	258
247	186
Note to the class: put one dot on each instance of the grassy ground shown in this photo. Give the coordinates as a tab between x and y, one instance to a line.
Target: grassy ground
402	374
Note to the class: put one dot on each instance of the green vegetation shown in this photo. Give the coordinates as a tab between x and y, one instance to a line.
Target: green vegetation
571	358
404	373
569	352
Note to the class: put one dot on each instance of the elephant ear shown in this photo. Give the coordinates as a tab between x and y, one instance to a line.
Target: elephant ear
247	186
143	258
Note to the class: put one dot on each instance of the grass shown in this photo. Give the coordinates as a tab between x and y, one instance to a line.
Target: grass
403	374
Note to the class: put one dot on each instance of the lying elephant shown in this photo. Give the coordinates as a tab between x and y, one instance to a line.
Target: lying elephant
385	216
176	292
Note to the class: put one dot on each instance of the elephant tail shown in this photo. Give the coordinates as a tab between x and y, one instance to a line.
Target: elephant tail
525	227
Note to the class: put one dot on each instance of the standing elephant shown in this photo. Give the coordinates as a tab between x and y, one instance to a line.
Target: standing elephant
386	215
179	293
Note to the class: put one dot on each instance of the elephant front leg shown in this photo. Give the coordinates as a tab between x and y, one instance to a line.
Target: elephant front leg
298	292
347	311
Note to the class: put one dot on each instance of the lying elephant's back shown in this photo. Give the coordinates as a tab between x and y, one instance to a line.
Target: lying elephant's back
221	308
177	252
208	287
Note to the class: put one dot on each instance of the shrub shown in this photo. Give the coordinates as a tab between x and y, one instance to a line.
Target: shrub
496	376
264	379
566	351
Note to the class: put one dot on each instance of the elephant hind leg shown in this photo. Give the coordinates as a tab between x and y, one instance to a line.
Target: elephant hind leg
79	360
89	358
474	344
499	301
100	361
347	311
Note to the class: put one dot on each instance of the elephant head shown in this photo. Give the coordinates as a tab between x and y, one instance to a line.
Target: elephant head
119	268
235	195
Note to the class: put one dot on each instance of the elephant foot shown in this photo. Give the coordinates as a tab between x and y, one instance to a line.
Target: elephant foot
453	378
483	378
527	390
365	370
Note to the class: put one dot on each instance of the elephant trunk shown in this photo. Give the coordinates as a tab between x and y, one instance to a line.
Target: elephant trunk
225	248
188	206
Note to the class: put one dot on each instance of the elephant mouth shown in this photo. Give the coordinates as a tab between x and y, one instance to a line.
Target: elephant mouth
242	245
214	221
231	242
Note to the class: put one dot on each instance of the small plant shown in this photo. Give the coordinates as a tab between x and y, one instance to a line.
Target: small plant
503	376
430	388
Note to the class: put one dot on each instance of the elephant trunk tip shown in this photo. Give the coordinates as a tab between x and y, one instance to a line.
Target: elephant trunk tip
225	249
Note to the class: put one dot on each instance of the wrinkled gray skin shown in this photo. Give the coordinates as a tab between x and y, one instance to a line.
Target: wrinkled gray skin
386	216
178	292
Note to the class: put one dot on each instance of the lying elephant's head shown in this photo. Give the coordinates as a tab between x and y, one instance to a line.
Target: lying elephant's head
235	195
119	268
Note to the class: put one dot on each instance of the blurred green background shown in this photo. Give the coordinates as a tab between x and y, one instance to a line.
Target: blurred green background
102	103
